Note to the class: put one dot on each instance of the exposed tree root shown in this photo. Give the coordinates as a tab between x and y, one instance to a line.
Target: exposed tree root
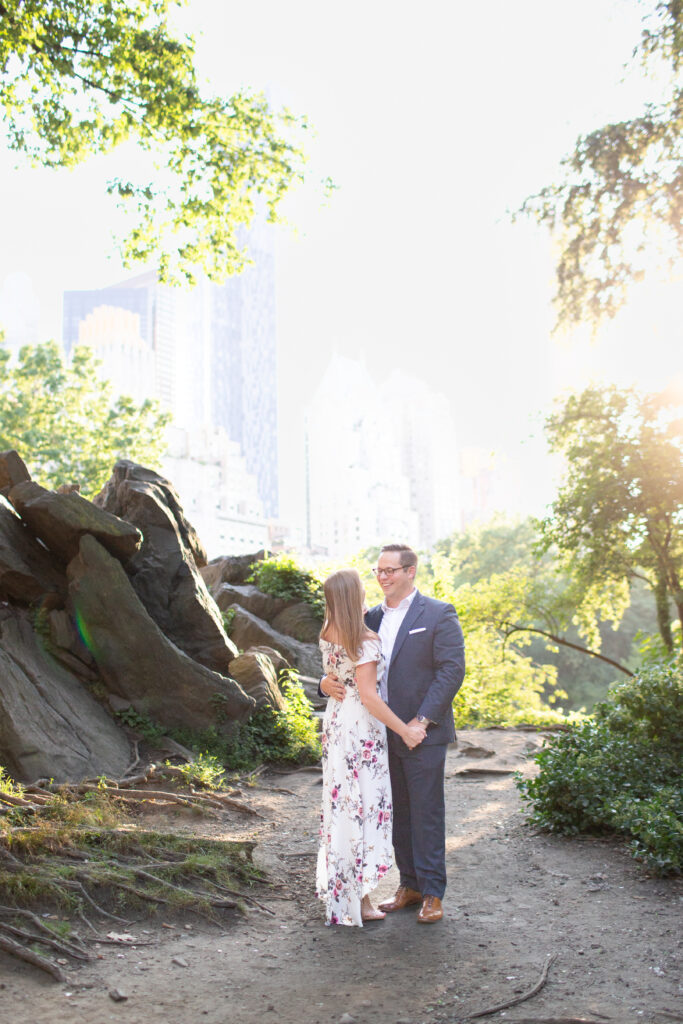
74	856
23	953
70	857
63	948
216	799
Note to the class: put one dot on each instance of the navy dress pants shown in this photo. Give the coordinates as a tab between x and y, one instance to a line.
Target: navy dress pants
419	830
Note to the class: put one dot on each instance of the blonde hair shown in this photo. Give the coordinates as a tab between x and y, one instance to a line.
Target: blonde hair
344	597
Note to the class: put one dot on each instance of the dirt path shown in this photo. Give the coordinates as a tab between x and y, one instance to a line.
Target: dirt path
514	898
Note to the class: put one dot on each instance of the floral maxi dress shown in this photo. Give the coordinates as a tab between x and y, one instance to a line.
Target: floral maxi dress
355	832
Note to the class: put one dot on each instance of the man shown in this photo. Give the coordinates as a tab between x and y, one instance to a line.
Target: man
424	653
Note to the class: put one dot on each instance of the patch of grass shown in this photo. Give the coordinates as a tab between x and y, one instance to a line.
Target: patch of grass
83	845
206	770
8	785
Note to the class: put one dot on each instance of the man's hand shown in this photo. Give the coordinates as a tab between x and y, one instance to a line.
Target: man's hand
332	687
414	734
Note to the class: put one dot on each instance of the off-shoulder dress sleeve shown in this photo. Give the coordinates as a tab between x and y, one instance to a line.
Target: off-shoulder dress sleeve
372	651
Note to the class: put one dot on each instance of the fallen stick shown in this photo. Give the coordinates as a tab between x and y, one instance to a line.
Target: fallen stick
21	953
519	999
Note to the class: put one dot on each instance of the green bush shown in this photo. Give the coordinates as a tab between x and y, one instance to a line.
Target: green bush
647	708
280	576
290	735
620	771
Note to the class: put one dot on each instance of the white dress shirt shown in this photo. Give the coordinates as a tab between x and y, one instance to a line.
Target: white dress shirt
388	630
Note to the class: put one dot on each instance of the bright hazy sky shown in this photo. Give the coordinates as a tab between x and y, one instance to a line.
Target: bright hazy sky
434	120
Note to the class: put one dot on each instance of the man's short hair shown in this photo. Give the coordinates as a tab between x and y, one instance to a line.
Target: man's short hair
407	555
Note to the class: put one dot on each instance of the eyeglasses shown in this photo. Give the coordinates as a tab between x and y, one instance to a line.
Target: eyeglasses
388	572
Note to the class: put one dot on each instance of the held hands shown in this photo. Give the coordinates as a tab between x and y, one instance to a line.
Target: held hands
414	733
331	686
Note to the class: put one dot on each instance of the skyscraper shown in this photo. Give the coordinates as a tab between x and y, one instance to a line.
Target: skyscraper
215	356
357	493
381	465
425	433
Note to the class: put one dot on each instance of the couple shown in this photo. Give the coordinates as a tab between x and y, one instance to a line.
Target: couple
398	667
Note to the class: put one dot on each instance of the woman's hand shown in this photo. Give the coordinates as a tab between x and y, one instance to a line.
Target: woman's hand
413	735
332	687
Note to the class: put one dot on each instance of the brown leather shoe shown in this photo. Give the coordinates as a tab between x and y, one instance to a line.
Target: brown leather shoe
405	897
430	911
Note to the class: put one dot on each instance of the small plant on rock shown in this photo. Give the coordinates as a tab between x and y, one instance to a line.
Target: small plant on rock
280	576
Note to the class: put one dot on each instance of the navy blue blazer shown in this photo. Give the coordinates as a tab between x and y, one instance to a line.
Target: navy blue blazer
427	667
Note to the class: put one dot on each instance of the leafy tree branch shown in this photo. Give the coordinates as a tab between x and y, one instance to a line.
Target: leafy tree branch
78	77
620	197
63	420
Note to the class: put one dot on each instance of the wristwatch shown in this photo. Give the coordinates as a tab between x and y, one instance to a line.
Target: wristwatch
423	720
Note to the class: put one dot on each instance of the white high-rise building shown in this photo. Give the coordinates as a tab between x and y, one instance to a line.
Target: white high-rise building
357	492
381	462
219	495
19	312
425	432
215	352
208	354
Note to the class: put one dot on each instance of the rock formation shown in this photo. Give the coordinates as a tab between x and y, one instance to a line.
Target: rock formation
164	571
110	604
50	725
136	660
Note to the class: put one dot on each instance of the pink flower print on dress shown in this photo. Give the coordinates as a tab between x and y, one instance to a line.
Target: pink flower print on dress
356	851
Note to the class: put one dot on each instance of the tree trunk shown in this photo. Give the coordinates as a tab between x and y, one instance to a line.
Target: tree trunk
661	591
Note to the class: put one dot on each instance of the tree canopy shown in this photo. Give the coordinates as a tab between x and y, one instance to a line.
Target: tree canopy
79	77
619	512
63	422
621	193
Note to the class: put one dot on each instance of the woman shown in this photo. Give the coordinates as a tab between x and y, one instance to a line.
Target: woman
355	850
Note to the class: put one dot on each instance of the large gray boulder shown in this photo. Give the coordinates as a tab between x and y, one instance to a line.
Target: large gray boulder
12	471
299	620
246	630
50	725
164	571
255	673
114	494
229	569
60	520
264	606
27	570
135	659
